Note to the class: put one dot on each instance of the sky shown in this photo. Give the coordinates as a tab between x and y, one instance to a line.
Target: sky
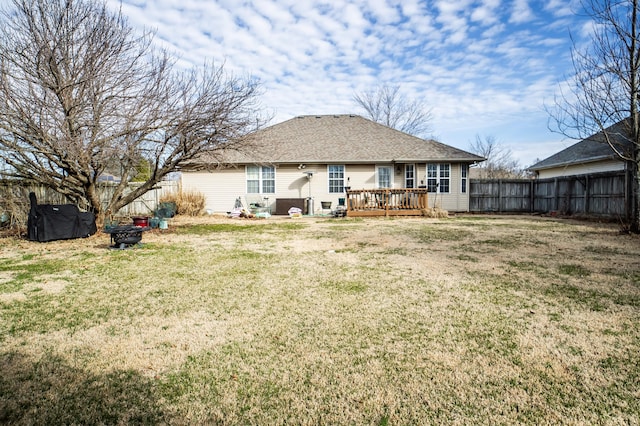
485	68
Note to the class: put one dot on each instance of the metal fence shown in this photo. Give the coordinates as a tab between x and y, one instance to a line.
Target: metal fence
600	194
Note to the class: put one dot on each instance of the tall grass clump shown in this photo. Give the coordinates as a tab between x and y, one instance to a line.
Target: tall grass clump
188	203
435	212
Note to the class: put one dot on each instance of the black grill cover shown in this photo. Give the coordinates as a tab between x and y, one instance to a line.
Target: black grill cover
48	222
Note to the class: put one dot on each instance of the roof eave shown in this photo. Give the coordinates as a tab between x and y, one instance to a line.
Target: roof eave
574	163
368	161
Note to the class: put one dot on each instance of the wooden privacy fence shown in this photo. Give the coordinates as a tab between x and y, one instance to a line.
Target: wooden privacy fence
600	194
144	205
14	197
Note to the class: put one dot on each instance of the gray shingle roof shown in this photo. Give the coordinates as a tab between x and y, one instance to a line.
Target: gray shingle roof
341	139
594	148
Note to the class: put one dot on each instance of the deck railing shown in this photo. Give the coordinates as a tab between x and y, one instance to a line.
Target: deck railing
386	202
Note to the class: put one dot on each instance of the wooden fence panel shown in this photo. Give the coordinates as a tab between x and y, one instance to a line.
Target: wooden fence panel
483	196
144	205
571	196
543	196
516	196
500	195
601	194
608	196
18	195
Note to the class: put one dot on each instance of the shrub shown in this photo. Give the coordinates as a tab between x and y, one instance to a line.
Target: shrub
14	208
188	203
435	212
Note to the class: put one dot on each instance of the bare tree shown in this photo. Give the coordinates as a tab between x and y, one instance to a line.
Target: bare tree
386	105
500	163
603	98
80	92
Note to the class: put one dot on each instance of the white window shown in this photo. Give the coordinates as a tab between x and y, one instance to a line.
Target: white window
385	177
438	177
409	176
336	178
261	180
464	172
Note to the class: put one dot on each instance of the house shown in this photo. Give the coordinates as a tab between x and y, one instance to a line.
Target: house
590	155
318	157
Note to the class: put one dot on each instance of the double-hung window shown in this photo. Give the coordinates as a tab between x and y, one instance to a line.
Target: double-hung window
336	178
409	176
385	177
261	180
438	177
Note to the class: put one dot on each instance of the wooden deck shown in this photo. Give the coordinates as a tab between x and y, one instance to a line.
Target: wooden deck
386	202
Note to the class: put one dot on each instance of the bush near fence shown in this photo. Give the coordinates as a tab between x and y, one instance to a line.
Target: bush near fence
594	195
188	203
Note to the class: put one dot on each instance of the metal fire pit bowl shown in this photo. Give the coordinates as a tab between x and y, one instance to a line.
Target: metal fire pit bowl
123	237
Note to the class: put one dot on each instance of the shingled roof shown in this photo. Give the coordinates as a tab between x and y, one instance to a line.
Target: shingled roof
594	148
341	139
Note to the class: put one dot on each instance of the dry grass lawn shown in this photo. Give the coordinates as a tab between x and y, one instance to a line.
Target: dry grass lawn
468	320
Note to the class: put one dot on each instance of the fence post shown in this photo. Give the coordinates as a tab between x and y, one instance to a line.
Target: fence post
532	197
556	194
628	193
586	194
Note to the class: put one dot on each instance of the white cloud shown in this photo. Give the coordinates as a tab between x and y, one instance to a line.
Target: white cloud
521	12
485	66
453	19
486	13
383	12
563	8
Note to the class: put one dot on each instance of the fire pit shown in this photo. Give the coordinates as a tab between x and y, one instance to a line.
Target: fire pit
126	235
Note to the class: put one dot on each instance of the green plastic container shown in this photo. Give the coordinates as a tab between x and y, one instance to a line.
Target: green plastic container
166	209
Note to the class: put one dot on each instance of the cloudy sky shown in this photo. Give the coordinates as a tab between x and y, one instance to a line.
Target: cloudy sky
484	67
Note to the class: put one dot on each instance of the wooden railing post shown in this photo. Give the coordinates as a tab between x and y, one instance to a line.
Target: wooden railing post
387	198
386	201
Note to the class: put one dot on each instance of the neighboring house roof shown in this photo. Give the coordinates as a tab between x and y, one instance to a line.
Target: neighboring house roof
589	150
340	139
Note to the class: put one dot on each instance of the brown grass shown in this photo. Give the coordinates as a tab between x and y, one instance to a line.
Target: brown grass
435	213
188	203
469	320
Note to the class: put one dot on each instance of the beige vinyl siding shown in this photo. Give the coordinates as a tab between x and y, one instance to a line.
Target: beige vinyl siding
356	176
454	200
222	187
361	176
292	182
582	169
